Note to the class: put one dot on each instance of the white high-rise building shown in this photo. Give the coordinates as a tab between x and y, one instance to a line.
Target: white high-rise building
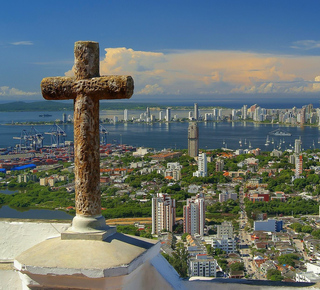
125	115
297	146
148	112
194	216
190	116
215	113
244	112
160	115
115	119
202	166
196	112
163	213
168	114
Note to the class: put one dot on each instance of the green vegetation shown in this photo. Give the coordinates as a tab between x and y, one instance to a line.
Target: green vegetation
134	231
274	275
295	205
179	260
288	259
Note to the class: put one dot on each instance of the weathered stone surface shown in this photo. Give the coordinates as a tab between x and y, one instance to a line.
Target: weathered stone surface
86	59
102	88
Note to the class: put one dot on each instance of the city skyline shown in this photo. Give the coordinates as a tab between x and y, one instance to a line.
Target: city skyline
178	52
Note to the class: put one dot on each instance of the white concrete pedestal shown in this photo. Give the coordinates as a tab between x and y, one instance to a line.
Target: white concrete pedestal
114	263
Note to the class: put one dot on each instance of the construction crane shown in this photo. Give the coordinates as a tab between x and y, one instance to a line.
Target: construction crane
58	136
32	140
103	135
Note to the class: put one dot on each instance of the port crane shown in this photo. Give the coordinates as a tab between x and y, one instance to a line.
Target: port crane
103	135
32	140
58	136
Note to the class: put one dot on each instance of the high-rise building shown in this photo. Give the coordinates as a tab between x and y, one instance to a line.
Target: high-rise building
215	113
244	112
299	166
297	146
303	115
202	166
64	118
160	115
168	114
193	139
163	213
194	216
196	112
125	115
219	165
115	119
148	112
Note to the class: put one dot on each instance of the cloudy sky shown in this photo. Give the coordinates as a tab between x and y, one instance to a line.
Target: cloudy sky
175	50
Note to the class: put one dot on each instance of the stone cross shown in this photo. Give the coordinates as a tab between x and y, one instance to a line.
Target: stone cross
86	89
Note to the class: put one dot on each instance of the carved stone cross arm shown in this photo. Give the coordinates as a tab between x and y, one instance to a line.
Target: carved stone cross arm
104	87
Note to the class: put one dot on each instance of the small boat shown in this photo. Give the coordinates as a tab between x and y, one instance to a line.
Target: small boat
280	132
240	143
250	145
267	141
45	115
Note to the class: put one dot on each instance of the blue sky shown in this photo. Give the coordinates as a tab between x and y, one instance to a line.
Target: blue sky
175	50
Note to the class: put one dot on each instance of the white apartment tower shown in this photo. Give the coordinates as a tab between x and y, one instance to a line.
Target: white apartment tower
194	216
168	114
297	146
163	213
196	112
125	115
160	115
244	112
202	166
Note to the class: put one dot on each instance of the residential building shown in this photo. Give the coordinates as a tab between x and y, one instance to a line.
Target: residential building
219	165
125	115
194	216
203	266
202	166
163	213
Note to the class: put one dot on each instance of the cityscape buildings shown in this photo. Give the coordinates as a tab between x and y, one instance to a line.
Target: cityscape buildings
163	213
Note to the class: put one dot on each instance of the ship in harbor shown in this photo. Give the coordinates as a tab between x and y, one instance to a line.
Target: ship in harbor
280	133
45	115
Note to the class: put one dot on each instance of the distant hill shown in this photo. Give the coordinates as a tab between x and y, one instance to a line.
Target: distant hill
43	106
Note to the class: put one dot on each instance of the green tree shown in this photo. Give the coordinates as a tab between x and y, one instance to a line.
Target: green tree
274	275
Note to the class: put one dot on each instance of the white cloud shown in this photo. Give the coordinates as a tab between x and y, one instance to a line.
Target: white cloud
22	43
306	44
212	72
151	90
7	91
